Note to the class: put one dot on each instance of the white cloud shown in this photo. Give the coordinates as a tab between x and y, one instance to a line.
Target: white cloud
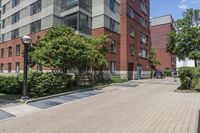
183	6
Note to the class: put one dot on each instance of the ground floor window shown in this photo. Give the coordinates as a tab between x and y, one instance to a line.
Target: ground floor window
9	67
2	68
17	67
113	67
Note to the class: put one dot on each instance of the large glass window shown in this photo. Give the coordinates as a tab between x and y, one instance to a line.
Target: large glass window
112	5
15	17
71	20
85	23
15	34
15	2
144	53
86	4
36	7
35	26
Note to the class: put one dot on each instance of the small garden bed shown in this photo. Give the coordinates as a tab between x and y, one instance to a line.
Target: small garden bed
46	84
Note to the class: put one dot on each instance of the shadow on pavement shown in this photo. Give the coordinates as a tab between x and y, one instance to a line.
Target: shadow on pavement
4	102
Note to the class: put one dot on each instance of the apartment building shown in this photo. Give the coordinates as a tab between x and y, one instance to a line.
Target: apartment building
87	17
160	28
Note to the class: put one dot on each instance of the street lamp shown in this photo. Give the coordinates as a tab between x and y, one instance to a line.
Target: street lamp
26	40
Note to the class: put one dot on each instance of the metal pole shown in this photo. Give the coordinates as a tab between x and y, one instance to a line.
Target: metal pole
25	84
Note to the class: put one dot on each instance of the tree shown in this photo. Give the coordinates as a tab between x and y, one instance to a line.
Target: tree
153	61
185	42
61	50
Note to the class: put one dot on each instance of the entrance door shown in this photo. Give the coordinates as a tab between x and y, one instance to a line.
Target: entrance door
139	72
130	71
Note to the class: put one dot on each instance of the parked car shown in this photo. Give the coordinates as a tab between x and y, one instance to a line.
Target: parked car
159	74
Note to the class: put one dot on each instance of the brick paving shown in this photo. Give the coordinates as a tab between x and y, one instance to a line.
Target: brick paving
150	107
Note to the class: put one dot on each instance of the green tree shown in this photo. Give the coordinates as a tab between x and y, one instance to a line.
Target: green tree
153	61
185	42
61	50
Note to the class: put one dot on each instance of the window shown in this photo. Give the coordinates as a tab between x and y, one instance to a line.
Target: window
86	5
143	38
132	49
9	67
4	9
113	46
143	53
85	24
143	22
71	20
17	67
3	37
17	50
131	13
70	3
2	53
15	2
9	51
113	67
143	7
36	7
112	5
15	34
3	23
35	26
15	17
2	68
111	24
132	31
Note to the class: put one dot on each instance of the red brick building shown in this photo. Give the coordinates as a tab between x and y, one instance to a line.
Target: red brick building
126	21
160	28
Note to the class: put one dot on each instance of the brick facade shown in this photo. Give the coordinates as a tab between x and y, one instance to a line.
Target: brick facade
159	35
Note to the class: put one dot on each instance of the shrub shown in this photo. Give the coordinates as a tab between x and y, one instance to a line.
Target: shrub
188	73
168	72
43	84
9	84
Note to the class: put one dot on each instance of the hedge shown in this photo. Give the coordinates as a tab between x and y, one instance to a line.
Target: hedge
39	84
188	73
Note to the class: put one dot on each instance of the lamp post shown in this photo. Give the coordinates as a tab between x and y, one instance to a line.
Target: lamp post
26	40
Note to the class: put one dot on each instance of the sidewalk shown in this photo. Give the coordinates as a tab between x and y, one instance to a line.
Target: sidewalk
32	107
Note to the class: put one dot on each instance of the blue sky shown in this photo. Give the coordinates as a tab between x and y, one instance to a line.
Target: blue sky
173	7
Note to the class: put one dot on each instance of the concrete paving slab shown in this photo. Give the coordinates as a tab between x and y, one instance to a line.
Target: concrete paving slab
21	110
4	115
44	104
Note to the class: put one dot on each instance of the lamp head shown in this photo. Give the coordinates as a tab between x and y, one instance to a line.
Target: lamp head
26	40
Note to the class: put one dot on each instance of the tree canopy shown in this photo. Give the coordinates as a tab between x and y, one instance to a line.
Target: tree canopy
61	50
185	41
153	61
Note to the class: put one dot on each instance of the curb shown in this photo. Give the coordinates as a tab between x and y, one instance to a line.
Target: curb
67	93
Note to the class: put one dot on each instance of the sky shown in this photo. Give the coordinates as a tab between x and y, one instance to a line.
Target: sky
173	7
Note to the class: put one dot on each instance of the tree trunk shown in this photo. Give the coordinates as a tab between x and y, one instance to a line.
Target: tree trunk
196	63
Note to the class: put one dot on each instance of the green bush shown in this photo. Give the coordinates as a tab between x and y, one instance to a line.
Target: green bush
168	72
185	74
9	84
43	84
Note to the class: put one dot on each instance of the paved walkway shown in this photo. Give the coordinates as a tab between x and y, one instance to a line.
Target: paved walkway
147	106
